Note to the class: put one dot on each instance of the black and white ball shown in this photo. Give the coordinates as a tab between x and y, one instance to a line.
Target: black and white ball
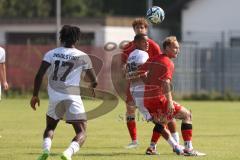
155	15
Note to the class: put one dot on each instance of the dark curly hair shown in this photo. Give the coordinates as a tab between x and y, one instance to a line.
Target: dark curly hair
69	35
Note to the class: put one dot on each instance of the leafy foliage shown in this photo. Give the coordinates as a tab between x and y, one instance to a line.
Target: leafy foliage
24	8
76	8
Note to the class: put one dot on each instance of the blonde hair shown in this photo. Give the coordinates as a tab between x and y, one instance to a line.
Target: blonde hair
168	41
140	21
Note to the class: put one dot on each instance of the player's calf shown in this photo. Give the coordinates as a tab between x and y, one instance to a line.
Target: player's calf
132	128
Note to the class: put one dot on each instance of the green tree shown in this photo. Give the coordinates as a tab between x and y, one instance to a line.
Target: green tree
82	8
24	8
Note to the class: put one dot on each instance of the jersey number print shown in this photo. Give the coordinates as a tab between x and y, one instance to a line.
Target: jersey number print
67	65
131	67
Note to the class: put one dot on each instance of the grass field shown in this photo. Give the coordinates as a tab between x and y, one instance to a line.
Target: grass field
216	132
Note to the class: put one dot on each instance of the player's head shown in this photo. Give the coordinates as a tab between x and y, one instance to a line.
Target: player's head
171	47
140	25
69	35
141	41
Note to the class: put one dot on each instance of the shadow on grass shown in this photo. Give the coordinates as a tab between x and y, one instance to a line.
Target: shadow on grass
105	154
108	154
217	135
38	154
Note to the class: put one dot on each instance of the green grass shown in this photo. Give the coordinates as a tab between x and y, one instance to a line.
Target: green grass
216	132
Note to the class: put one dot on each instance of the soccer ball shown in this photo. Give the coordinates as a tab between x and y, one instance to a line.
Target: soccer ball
155	14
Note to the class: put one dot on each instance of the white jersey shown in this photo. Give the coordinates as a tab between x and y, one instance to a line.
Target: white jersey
2	55
135	59
2	60
64	74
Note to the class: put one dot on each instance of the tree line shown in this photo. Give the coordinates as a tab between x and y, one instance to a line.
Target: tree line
76	8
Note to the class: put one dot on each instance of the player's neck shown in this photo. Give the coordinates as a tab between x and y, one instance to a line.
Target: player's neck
68	46
141	49
165	54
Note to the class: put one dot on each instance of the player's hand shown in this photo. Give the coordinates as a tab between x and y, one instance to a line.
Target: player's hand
5	86
171	108
93	92
92	86
33	102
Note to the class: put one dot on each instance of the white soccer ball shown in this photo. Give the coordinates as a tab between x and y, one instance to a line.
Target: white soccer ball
155	14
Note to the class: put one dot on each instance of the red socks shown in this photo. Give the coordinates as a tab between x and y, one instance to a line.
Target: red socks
132	129
155	137
186	131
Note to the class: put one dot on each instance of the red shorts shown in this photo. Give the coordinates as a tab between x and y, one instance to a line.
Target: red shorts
158	106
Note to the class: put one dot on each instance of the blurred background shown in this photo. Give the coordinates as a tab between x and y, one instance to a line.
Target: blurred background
209	32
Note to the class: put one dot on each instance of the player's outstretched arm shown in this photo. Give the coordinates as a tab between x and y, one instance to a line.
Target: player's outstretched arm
37	84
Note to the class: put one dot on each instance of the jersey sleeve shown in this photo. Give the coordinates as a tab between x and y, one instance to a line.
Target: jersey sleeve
48	57
154	48
87	62
127	49
2	55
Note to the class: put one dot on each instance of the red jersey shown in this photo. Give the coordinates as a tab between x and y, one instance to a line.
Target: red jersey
152	51
159	68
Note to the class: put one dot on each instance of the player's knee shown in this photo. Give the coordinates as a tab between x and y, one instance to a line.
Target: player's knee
158	128
172	126
130	118
187	117
131	109
130	113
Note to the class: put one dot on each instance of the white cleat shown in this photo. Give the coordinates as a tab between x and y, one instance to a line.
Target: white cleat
132	145
193	153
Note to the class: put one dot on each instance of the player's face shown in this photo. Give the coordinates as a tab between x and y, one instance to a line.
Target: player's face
140	29
142	44
173	50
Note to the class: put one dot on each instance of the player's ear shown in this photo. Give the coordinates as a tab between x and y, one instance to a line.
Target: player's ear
167	48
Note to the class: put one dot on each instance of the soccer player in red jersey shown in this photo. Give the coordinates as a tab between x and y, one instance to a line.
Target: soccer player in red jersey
158	97
140	26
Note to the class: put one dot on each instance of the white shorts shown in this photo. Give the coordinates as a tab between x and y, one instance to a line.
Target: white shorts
137	91
69	108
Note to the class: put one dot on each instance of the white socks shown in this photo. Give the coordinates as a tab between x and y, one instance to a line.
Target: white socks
153	145
172	142
47	143
188	145
175	137
72	149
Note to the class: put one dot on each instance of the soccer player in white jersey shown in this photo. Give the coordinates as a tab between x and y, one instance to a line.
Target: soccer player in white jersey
64	66
3	77
135	59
